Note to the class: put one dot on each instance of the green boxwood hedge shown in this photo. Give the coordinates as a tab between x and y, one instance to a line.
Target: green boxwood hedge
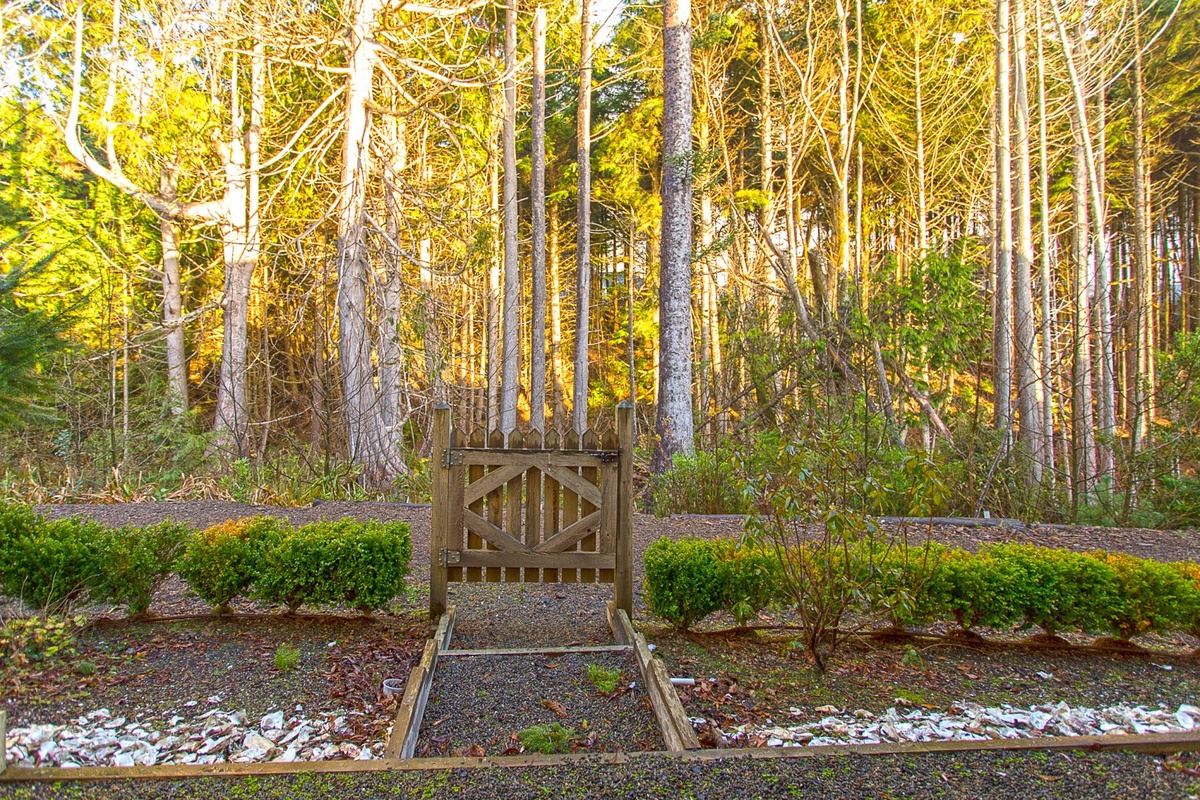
51	564
1000	586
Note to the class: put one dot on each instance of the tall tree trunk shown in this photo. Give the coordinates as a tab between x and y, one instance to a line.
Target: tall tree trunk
241	255
583	229
1106	387
509	381
172	307
494	299
537	322
919	135
371	444
430	336
1002	231
391	283
673	422
1082	422
1142	381
556	360
1045	278
1029	371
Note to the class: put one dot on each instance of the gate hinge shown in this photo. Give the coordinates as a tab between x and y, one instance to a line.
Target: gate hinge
453	458
450	557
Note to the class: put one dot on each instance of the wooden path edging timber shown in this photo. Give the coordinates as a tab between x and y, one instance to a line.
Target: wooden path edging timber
677	731
1152	743
402	743
539	651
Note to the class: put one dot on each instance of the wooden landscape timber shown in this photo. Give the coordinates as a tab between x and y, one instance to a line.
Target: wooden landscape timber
1151	743
402	742
677	731
525	507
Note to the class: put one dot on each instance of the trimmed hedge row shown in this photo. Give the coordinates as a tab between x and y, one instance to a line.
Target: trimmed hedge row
52	563
1001	587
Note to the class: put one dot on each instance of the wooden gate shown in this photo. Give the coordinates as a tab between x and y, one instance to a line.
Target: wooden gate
531	509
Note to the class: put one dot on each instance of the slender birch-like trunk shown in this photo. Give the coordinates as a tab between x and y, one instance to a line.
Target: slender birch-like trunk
537	318
511	369
1142	381
1045	276
583	229
172	306
1029	372
1002	230
1083	421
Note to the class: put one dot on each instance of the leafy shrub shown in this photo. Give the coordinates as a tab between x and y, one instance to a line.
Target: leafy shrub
973	589
685	580
751	579
223	561
688	579
1188	615
136	561
701	483
905	585
346	562
546	739
24	642
54	563
1152	596
1055	589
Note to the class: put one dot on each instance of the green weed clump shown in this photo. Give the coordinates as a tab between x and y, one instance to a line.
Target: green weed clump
604	679
38	640
287	658
546	739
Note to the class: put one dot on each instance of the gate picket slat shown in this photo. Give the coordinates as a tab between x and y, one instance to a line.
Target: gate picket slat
474	541
512	505
454	532
570	502
589	474
550	509
533	506
495	508
609	487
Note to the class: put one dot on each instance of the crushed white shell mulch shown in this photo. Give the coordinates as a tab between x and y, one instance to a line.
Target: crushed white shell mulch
965	722
100	739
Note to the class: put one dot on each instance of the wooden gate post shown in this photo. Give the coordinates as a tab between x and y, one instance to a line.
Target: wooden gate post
439	474
623	576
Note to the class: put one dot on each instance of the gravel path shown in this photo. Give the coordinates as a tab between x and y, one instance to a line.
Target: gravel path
478	704
969	776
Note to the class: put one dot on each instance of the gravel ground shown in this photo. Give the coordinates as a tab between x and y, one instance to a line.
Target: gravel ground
478	704
996	776
757	678
157	667
523	615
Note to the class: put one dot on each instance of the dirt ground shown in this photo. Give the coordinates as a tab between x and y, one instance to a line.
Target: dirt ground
766	674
